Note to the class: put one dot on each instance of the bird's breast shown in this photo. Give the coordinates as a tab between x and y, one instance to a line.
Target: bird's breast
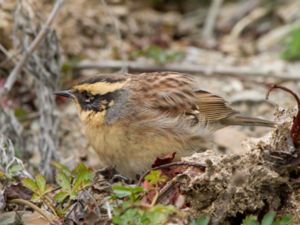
131	151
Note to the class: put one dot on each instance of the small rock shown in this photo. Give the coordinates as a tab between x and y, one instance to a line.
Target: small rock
34	219
8	218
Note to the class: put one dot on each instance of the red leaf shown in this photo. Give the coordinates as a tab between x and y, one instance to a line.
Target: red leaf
164	160
147	185
173	171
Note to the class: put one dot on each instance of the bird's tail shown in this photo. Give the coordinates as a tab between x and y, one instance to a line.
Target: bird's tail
247	121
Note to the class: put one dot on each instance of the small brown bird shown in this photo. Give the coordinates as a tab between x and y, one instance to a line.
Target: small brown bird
130	120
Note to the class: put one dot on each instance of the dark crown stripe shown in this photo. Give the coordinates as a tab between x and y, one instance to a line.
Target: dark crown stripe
104	78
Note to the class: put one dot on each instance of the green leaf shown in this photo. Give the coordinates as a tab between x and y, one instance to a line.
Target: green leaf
48	189
14	169
291	51
41	183
20	113
61	167
122	191
83	177
158	54
203	220
61	211
83	180
285	220
63	181
35	197
73	195
61	196
130	216
268	218
155	177
159	214
30	184
176	56
81	168
250	220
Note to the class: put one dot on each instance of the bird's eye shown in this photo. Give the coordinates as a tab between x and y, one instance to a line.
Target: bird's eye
87	97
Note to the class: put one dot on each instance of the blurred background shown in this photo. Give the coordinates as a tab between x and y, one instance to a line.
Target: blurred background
236	48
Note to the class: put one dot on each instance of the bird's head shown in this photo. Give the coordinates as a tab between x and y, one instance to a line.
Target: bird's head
95	96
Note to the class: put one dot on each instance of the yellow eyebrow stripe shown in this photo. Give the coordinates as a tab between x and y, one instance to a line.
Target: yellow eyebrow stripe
100	87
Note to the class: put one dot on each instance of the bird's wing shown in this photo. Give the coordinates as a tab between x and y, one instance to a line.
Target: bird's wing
175	94
213	107
164	92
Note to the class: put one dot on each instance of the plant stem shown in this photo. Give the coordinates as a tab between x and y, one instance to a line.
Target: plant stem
33	206
154	200
47	202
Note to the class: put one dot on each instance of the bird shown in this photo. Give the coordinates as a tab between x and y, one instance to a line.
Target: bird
132	119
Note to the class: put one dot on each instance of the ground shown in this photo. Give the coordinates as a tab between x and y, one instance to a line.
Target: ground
237	55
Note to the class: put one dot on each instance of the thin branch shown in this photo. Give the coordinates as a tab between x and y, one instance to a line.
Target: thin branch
35	43
33	206
10	57
47	201
232	71
166	189
247	20
209	26
73	207
245	8
295	130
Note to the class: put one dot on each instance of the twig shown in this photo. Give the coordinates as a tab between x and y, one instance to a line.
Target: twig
211	19
233	71
247	20
154	200
33	206
8	55
199	165
47	202
35	43
73	207
244	9
295	130
166	189
108	208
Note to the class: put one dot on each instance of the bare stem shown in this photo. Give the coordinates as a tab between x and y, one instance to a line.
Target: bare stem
34	44
154	200
211	19
47	202
33	206
295	130
231	71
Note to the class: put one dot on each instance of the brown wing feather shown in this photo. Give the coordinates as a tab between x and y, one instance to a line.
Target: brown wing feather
170	93
213	107
174	94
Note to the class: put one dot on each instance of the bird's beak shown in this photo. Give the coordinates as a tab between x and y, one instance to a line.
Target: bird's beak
66	93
